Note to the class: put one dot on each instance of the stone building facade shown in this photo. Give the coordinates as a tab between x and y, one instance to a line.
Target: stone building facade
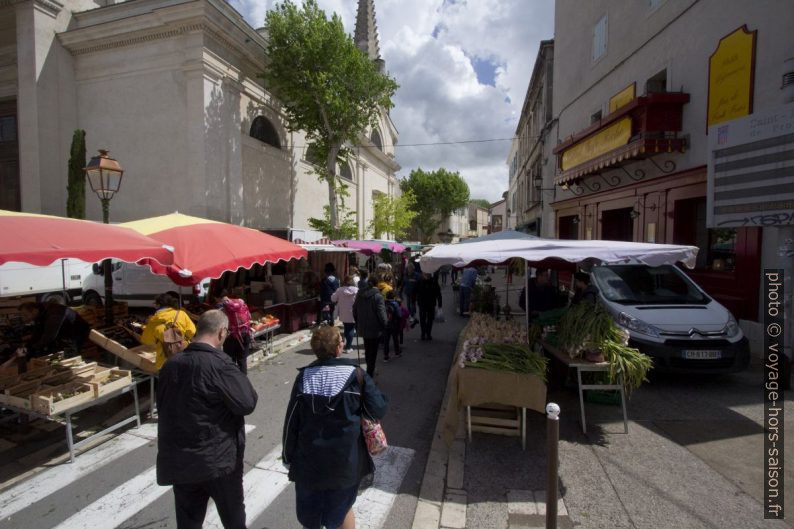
171	88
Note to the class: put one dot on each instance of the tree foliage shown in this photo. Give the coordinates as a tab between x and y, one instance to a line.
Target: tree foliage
347	228
481	202
392	214
438	193
329	89
75	187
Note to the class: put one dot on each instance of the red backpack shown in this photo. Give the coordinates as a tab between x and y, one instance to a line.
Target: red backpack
239	318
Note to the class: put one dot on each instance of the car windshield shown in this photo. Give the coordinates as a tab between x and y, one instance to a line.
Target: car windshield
646	285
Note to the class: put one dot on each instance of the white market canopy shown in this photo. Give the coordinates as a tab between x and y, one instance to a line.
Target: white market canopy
544	252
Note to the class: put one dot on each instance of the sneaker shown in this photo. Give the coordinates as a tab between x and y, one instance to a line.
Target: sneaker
348	351
398	355
385	360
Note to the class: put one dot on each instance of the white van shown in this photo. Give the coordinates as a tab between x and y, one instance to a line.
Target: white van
671	319
136	285
47	283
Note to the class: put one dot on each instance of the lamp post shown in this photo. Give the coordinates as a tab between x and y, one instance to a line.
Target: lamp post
104	176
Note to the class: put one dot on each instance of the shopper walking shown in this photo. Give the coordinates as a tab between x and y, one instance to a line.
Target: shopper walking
323	446
168	314
328	286
409	290
428	294
444	275
393	326
344	298
467	283
202	398
238	343
369	311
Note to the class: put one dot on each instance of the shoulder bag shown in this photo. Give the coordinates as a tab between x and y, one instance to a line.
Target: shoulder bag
371	429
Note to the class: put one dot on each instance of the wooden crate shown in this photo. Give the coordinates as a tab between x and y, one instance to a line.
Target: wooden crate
496	419
102	383
20	395
46	401
58	377
143	357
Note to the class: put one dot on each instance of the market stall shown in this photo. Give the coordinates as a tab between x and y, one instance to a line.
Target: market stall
585	338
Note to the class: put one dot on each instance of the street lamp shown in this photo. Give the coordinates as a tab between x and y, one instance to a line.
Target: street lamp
104	176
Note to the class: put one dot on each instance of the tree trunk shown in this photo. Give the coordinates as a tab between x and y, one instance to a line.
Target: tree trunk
333	200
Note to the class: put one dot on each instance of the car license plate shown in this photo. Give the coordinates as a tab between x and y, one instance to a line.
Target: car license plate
702	354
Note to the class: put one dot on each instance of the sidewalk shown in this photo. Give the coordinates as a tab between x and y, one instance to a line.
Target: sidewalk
692	459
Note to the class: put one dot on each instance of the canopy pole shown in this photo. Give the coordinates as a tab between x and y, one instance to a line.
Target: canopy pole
63	282
526	293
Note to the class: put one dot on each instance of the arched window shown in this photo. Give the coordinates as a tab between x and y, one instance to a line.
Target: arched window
345	171
375	139
263	130
312	155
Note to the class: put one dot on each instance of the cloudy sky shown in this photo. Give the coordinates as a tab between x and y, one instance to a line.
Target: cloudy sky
463	67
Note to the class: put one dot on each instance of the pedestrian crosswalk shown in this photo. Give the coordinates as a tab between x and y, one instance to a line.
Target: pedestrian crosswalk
112	507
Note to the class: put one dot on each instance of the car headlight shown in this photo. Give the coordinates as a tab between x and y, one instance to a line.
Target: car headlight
732	329
633	324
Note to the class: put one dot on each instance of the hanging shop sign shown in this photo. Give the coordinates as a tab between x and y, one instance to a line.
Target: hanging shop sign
731	72
611	137
622	98
751	170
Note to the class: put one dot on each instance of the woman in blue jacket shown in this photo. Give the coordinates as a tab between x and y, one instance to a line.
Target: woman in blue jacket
323	447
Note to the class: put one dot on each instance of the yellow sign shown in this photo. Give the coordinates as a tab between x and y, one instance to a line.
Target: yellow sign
611	137
731	69
622	98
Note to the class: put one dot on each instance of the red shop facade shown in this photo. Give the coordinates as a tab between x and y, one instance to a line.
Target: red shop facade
635	192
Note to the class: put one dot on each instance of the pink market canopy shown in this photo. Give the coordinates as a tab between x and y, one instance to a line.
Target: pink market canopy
549	251
370	247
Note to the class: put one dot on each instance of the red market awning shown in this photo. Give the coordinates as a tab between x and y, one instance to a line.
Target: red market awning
206	248
41	240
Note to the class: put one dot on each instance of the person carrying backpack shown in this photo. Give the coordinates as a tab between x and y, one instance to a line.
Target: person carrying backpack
238	344
393	326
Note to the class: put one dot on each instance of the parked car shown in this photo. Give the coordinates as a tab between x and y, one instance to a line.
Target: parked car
60	282
671	319
136	285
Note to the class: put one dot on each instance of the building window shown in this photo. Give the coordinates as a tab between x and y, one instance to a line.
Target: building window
596	116
653	5
600	39
657	83
312	155
375	139
345	172
8	128
263	130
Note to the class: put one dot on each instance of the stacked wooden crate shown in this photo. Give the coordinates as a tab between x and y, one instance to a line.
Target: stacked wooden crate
113	340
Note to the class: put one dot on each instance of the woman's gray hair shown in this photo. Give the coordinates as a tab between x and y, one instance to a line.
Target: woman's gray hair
211	322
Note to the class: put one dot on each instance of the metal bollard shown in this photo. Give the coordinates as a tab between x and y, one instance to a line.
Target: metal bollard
552	441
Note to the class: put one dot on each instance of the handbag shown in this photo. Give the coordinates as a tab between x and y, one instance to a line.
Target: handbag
372	430
173	339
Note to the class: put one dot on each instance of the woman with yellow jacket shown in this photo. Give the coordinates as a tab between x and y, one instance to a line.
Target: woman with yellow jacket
167	313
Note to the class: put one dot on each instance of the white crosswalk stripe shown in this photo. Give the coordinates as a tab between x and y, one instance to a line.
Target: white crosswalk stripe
262	484
55	478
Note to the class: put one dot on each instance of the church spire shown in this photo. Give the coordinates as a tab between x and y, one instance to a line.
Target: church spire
366	36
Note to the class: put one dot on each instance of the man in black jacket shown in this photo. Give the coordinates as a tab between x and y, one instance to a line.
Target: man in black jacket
369	311
202	398
428	294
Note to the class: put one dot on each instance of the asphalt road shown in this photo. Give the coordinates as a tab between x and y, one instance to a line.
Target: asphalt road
113	484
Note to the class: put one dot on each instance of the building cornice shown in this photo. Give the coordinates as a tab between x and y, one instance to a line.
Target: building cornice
52	7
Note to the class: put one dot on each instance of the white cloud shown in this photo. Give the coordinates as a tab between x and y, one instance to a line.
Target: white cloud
440	98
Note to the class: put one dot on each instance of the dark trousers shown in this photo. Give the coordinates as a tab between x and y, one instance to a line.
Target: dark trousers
238	350
350	331
371	354
426	317
226	491
393	336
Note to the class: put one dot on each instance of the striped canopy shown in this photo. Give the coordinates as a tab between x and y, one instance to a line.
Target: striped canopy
206	248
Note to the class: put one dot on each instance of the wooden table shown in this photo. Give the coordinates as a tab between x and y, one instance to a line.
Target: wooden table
582	365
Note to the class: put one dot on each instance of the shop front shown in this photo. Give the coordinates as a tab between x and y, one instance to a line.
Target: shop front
625	185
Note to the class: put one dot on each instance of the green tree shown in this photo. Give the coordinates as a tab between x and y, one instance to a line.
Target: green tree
75	187
481	202
438	193
347	229
392	214
328	88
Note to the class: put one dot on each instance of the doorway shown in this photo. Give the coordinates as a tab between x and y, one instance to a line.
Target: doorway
617	225
569	227
9	157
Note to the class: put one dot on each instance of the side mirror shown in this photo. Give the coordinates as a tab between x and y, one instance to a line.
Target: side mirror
97	269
